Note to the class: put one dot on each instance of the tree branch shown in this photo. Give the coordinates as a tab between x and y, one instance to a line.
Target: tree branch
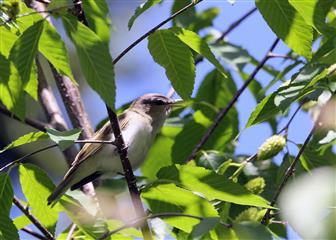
288	174
53	111
29	121
236	24
33	219
34	234
224	112
136	42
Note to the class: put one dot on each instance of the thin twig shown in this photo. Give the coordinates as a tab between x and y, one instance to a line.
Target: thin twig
236	24
285	128
134	223
26	156
34	234
136	42
71	231
224	111
288	174
33	219
29	121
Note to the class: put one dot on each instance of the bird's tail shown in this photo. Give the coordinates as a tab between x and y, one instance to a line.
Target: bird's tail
64	185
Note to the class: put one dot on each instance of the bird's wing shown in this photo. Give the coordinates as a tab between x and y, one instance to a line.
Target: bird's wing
90	149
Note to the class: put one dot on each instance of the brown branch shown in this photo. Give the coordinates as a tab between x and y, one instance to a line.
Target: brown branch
52	110
128	173
29	121
236	24
135	222
32	233
33	219
288	174
136	42
224	112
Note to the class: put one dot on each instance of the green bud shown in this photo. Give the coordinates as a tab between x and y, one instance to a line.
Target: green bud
271	147
250	214
256	185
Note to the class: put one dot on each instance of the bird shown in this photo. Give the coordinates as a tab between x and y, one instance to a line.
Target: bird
139	124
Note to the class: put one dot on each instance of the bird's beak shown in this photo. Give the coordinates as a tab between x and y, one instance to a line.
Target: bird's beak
177	103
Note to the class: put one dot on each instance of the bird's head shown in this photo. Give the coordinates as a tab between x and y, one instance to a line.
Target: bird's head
155	105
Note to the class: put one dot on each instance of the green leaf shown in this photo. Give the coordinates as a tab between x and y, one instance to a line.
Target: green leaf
25	139
140	9
53	48
24	51
94	57
11	89
288	25
186	18
21	221
204	227
263	111
302	84
37	186
168	51
158	156
32	85
6	194
163	198
96	14
216	89
7	229
314	13
7	40
211	185
326	53
193	131
64	139
197	44
252	230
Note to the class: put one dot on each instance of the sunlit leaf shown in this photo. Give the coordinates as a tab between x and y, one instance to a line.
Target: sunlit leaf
53	48
6	194
37	186
170	198
287	24
11	87
211	185
25	139
96	13
24	50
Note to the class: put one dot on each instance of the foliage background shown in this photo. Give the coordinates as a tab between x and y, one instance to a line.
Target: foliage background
137	74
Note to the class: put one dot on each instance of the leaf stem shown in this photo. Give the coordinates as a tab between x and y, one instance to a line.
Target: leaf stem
225	111
34	234
33	219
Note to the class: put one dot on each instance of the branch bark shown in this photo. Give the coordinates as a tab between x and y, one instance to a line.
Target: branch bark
28	121
225	111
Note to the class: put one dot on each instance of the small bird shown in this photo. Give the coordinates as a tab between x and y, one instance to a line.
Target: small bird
139	124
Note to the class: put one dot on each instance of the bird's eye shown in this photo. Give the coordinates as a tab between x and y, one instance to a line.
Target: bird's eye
158	102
